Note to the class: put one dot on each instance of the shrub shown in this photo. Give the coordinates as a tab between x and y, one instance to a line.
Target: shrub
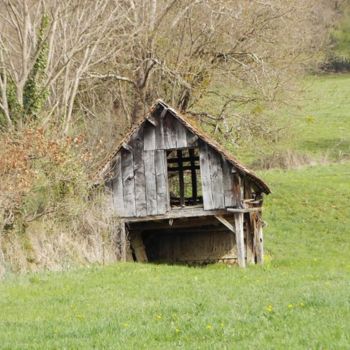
40	174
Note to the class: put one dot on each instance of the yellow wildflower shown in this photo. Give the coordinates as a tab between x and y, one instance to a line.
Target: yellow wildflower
269	308
209	326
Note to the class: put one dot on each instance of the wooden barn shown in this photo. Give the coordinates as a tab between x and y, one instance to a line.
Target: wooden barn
181	197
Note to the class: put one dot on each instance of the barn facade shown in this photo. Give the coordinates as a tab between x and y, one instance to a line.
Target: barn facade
181	197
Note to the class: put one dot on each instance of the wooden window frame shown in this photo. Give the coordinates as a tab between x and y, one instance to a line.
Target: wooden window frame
180	169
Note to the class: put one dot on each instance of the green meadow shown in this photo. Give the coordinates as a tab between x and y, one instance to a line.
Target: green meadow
299	299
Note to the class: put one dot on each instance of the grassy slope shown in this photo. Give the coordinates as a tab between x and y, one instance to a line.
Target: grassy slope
299	299
318	121
323	123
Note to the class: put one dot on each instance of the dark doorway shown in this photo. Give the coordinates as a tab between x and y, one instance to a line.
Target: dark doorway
191	241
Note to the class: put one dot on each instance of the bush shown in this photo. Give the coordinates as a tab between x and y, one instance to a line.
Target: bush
40	173
47	216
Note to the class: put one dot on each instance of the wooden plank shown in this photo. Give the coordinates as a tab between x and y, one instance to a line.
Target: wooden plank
240	239
184	159
161	181
237	190
151	187
179	223
191	138
168	206
127	166
159	142
180	213
181	135
205	176
187	167
169	127
181	178
229	198
193	174
217	185
244	210
149	137
117	188
139	171
247	189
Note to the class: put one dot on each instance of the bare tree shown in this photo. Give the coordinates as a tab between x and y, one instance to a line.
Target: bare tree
75	37
105	61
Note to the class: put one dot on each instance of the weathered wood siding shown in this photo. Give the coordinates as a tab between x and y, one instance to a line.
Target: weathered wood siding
221	185
140	184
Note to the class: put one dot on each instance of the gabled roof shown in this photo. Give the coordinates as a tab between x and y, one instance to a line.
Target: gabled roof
104	169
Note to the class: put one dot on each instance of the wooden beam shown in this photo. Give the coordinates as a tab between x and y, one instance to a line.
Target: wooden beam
176	223
186	167
239	217
225	222
244	210
184	159
179	213
186	231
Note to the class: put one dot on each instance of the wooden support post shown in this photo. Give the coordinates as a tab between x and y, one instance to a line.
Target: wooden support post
123	238
259	242
193	175
248	217
181	178
240	239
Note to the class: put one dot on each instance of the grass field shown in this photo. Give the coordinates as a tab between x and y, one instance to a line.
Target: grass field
316	122
300	298
323	121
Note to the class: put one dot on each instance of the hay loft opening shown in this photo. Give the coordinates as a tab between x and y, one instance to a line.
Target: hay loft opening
184	179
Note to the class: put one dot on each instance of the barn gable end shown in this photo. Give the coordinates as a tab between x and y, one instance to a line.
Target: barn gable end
166	169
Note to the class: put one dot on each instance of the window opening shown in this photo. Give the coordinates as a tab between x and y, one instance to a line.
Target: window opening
185	185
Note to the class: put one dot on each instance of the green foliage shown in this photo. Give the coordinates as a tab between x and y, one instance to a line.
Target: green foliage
35	94
298	300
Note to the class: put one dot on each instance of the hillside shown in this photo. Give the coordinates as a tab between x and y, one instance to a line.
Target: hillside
299	299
